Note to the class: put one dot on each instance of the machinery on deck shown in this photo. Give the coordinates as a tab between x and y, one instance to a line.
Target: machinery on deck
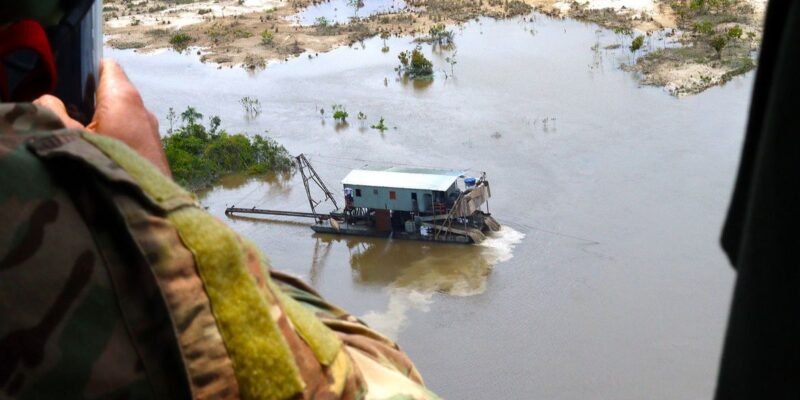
399	202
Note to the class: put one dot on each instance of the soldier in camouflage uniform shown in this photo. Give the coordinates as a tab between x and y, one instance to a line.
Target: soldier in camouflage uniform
115	284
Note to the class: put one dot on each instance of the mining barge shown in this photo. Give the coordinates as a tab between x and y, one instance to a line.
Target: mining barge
410	203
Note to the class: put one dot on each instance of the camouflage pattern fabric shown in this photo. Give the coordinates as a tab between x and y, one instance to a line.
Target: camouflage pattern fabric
115	284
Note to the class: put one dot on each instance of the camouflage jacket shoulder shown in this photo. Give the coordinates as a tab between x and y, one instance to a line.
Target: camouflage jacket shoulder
113	282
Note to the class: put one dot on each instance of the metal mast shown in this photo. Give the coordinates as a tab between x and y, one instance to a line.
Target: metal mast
311	175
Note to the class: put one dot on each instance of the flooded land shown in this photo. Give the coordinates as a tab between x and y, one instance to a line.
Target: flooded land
607	280
683	46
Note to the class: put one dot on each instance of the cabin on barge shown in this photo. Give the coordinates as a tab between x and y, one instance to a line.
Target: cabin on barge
413	203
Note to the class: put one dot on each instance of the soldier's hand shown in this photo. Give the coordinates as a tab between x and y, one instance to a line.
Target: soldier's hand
55	105
120	113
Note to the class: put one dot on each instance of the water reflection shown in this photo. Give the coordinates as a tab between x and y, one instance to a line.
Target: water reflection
413	272
271	184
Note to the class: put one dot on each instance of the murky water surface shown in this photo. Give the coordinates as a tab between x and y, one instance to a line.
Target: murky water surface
607	280
342	11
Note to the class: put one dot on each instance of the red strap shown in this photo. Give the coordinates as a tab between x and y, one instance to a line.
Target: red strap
28	35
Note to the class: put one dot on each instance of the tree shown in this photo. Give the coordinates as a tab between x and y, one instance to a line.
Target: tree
718	43
356	4
704	27
384	36
213	124
734	32
414	65
172	117
403	57
438	34
637	43
452	61
191	116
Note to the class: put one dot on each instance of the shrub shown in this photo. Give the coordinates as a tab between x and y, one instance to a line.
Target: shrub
637	43
381	126
734	32
339	113
704	27
414	65
180	41
267	37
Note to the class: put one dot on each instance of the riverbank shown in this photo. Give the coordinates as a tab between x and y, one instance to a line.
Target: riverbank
253	33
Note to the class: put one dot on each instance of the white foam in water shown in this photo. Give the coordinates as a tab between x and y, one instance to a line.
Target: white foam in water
502	243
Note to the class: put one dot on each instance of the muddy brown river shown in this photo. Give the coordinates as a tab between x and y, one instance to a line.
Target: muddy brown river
607	281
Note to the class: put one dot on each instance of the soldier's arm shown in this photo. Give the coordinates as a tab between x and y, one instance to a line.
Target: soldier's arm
120	113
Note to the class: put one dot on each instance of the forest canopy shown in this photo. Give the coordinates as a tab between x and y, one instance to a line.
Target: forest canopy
198	155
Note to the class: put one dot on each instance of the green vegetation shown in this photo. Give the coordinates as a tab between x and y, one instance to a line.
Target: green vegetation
199	155
252	107
622	30
254	62
384	36
704	27
339	113
225	32
362	118
324	27
718	43
735	32
637	43
414	65
267	37
439	35
381	126
180	41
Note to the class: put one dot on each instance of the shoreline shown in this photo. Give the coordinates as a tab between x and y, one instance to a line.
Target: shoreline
253	33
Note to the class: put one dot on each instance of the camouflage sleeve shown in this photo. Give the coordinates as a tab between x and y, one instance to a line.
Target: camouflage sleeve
62	332
237	328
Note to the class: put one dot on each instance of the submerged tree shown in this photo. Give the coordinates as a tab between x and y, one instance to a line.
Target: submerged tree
252	107
339	113
381	126
384	36
414	64
637	43
451	59
439	35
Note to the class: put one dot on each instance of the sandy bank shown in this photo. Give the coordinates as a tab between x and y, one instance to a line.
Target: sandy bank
253	33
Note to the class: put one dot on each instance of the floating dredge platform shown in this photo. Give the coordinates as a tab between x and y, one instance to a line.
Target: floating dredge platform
401	203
